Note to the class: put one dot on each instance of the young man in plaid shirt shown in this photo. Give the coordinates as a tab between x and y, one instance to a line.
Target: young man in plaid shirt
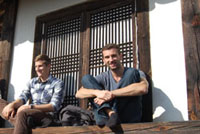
46	93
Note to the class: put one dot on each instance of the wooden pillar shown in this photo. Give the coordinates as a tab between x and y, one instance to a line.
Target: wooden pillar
9	9
143	42
191	34
85	51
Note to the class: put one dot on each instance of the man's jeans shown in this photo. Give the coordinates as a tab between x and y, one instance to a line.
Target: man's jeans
128	108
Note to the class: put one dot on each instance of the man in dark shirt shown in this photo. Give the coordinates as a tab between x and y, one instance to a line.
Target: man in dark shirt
115	95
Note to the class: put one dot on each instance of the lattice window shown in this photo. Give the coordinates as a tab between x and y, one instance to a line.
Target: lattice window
111	26
73	38
62	44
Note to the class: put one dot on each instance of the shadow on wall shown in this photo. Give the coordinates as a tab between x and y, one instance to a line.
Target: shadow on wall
11	93
152	3
163	108
11	97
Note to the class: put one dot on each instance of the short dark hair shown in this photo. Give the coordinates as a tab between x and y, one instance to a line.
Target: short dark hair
110	46
44	58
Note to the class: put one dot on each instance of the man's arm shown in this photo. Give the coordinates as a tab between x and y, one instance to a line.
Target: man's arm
91	93
42	107
86	93
58	96
134	89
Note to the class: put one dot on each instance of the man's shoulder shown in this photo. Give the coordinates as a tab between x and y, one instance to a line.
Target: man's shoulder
131	69
55	80
104	74
33	80
140	72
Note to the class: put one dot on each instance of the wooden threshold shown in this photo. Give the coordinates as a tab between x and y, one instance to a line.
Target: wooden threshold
185	127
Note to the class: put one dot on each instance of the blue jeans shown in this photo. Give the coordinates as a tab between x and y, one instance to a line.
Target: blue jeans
129	108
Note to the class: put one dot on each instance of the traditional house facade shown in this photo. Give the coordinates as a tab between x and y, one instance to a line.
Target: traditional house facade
160	37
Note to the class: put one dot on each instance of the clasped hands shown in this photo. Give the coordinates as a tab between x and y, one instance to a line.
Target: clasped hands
103	96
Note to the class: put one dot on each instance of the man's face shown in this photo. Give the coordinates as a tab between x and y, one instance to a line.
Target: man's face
112	58
41	69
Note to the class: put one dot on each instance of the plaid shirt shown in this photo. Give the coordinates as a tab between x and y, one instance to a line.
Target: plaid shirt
50	91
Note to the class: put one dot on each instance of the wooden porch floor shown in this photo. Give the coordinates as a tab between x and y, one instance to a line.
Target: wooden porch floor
186	127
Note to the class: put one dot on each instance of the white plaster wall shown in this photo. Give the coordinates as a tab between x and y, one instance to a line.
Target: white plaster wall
168	64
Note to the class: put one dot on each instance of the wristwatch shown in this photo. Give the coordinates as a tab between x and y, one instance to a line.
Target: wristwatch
31	106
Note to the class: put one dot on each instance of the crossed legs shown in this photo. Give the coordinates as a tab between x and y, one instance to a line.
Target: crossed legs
104	114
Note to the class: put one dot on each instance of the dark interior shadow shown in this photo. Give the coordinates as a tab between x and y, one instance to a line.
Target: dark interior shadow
147	103
70	87
2	88
3	96
171	113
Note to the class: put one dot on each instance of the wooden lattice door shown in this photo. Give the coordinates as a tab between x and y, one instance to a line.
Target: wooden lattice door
73	38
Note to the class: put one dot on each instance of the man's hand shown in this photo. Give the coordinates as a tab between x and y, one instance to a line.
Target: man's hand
99	101
8	111
105	95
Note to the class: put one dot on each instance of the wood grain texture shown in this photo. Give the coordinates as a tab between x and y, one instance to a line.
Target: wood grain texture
6	41
143	39
138	128
191	34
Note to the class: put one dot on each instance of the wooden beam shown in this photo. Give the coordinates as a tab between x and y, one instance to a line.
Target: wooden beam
191	34
137	128
87	6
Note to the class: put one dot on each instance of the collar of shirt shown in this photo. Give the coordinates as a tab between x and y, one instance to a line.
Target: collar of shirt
49	79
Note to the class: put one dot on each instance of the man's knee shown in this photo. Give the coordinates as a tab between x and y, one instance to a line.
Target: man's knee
88	81
87	78
22	114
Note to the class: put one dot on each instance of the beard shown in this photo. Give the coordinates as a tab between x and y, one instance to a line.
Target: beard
114	66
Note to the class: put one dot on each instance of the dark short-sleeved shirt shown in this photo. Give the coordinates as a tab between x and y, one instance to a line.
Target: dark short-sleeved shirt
128	108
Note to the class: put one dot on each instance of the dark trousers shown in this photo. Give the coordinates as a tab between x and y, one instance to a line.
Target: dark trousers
129	109
20	120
